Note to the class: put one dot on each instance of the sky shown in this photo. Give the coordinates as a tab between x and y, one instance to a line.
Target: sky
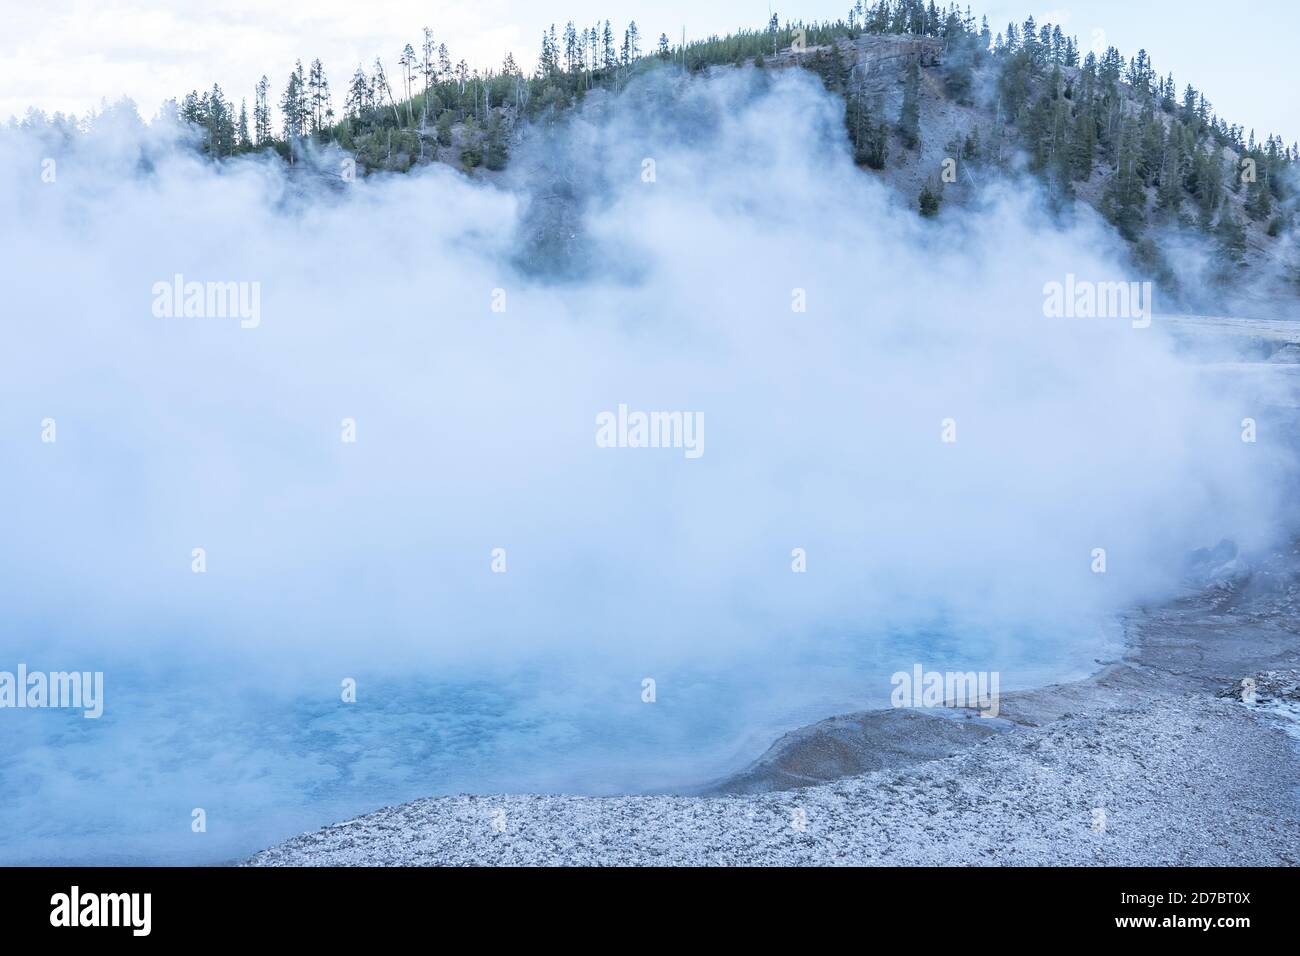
68	55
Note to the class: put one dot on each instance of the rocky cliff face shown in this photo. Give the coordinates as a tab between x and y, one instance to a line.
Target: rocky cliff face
876	64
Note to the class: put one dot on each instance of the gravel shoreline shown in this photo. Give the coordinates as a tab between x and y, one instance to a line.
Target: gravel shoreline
1154	760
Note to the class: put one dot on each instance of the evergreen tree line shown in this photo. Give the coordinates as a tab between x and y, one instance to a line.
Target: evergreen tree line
1165	155
1075	115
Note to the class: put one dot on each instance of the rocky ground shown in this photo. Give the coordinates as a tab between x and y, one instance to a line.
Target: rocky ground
1155	760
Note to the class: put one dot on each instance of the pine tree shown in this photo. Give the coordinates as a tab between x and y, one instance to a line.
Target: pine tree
304	100
1169	192
829	64
220	124
358	98
262	112
570	48
290	109
1125	199
1169	95
1259	204
1151	148
1083	144
191	111
959	66
609	58
471	153
1206	185
428	70
322	112
1231	234
869	137
382	92
408	62
929	201
909	117
495	151
548	60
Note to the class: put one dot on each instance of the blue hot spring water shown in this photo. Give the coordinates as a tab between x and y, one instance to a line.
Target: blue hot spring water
265	764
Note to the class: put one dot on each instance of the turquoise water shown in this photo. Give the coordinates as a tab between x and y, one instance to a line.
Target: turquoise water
267	760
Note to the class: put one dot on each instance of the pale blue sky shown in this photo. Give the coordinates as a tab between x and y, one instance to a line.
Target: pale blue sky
68	54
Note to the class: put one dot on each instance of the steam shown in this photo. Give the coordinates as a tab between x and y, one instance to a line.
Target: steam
476	428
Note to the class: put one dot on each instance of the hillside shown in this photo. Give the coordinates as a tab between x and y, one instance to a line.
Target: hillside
935	106
961	144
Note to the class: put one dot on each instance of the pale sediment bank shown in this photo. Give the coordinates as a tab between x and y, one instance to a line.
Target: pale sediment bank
1154	760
